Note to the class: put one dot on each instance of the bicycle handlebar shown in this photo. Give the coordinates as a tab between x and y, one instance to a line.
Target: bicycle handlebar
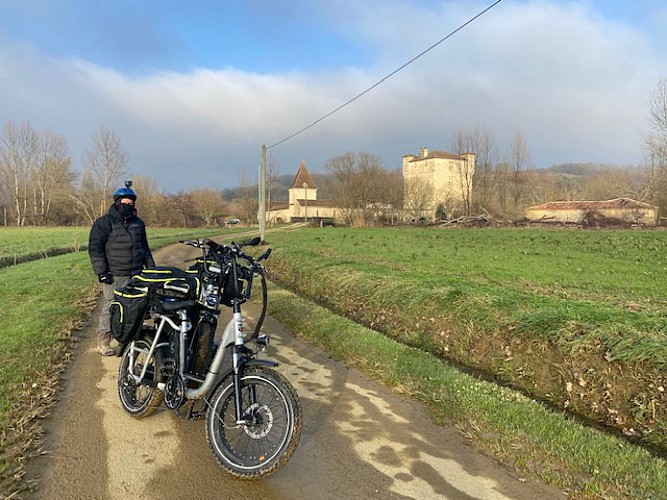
234	249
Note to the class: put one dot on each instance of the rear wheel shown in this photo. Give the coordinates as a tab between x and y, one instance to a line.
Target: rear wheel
138	399
267	438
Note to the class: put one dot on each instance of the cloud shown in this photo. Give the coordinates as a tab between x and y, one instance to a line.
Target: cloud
572	82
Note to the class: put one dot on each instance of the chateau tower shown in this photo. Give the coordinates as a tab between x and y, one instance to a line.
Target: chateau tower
436	178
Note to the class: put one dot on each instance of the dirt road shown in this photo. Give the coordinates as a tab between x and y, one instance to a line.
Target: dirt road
359	440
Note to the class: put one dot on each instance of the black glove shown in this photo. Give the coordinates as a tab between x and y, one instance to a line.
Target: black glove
105	278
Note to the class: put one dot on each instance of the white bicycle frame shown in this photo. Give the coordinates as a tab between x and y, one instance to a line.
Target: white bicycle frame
233	334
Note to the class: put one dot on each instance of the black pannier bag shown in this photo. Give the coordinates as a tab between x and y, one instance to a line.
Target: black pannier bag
155	278
166	284
128	311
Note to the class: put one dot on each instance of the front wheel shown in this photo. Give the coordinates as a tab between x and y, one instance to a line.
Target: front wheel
269	433
138	399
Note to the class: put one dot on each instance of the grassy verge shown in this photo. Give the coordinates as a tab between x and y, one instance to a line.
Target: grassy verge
519	432
43	301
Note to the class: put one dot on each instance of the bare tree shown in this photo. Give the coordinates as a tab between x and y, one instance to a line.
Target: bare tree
369	172
13	175
248	204
86	199
655	145
418	196
616	183
107	163
342	169
518	162
272	182
658	107
208	204
148	198
354	187
543	188
5	196
18	156
485	178
52	178
391	192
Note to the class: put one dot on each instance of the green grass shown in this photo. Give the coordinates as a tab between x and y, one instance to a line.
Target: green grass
42	301
22	240
24	244
576	318
608	266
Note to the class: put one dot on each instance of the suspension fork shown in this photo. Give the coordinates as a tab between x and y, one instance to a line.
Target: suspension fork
239	342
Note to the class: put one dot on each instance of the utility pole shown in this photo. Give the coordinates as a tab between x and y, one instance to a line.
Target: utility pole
305	201
261	211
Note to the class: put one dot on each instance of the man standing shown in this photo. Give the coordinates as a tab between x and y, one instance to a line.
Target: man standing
118	250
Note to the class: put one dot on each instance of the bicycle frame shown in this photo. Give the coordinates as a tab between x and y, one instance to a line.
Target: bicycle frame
232	334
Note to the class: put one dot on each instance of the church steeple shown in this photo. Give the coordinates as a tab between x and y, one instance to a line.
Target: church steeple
303	177
303	188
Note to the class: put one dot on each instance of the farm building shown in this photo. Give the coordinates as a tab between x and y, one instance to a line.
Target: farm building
621	209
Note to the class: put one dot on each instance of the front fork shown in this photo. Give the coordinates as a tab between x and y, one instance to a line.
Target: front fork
237	357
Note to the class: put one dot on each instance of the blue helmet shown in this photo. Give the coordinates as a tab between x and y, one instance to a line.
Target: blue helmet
125	192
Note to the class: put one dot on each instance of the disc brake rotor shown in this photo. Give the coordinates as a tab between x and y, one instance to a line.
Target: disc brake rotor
261	421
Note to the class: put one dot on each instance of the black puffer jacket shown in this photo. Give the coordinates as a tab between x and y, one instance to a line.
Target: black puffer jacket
119	247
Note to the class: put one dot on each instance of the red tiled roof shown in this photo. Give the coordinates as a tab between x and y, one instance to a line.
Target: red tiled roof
593	205
303	177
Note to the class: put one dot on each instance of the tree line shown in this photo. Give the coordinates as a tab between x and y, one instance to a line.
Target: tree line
39	187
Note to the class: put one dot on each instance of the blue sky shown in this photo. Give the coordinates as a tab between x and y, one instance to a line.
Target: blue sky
195	88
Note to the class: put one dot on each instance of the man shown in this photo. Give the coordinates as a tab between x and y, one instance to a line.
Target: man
118	250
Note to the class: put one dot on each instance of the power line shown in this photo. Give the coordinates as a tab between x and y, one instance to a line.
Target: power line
386	77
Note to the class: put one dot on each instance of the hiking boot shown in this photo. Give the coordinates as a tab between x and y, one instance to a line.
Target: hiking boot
106	350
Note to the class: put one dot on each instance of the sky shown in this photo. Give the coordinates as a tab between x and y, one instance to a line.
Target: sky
194	89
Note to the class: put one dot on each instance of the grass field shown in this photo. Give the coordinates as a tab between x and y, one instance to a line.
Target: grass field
547	284
23	244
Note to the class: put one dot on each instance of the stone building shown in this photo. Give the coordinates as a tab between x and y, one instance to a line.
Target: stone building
303	204
620	209
437	183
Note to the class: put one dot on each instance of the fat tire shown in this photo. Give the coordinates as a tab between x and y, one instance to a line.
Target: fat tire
227	440
150	397
204	347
